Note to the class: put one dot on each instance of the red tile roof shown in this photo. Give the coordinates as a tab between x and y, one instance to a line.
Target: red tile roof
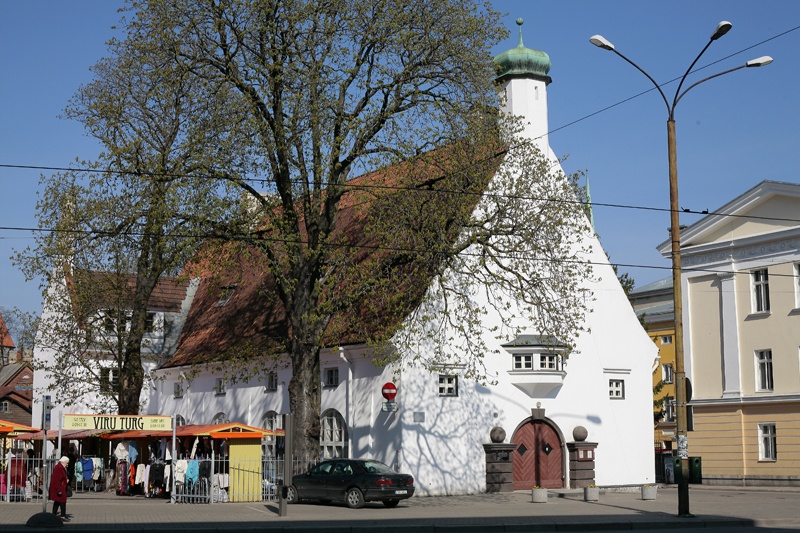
167	295
253	322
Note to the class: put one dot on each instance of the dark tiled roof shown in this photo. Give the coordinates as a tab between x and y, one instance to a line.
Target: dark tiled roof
167	295
253	321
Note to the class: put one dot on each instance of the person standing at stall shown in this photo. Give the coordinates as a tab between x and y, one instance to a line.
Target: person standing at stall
58	488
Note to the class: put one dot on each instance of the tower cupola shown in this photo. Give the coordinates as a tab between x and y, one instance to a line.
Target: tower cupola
523	62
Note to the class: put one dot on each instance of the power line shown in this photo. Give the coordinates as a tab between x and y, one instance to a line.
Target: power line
362	186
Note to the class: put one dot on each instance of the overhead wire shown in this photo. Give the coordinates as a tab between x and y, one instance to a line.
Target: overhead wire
366	186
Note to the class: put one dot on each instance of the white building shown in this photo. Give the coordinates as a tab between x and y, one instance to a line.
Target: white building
90	387
442	420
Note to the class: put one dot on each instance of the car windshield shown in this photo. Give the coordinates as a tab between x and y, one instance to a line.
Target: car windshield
376	467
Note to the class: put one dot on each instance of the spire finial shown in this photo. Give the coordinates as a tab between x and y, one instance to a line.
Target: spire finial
520	22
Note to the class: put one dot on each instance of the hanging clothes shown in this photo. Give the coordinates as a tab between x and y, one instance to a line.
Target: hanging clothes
121	452
88	468
192	471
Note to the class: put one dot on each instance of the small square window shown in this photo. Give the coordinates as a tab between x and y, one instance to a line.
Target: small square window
331	377
767	442
549	361
616	389
523	362
448	385
666	339
177	390
219	386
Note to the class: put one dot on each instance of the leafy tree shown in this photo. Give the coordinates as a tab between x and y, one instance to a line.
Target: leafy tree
20	329
133	215
335	88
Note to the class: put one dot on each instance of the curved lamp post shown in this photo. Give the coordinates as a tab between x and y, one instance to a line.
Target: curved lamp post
675	236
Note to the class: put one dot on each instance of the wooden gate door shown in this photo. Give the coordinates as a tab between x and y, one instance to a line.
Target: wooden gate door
538	458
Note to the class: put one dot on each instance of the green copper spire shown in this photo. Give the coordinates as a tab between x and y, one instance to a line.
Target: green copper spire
523	62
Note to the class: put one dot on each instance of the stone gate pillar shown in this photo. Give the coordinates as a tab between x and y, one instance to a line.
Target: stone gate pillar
499	464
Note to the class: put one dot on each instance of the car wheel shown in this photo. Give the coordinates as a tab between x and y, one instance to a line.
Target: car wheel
354	498
291	494
391	503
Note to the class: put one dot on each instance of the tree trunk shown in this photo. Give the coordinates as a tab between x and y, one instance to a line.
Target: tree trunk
305	401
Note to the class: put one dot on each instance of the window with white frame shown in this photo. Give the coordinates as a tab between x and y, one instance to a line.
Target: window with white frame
797	285
177	390
220	418
219	386
523	362
544	361
330	377
271	421
764	370
670	408
333	435
666	339
760	290
616	389
767	442
549	361
150	324
667	373
4	407
272	382
179	421
109	380
448	385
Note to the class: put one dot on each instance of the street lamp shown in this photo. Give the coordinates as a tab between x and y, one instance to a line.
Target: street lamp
675	236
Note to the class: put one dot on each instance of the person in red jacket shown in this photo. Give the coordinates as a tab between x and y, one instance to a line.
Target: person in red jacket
58	488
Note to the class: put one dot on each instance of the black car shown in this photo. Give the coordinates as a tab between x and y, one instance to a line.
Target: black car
353	481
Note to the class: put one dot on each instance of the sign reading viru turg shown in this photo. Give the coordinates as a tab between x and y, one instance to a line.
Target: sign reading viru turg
118	422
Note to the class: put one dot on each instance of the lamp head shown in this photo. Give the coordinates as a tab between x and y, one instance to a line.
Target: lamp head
759	62
722	28
601	42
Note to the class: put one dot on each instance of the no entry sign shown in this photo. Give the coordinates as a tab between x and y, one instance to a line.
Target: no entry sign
389	391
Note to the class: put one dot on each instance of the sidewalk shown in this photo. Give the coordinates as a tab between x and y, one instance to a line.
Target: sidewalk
565	511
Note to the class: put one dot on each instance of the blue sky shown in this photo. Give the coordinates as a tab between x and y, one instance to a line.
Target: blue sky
732	132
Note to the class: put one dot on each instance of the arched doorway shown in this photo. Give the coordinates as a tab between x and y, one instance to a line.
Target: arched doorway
538	460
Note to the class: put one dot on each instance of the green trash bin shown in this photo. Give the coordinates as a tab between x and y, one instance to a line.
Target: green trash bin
695	470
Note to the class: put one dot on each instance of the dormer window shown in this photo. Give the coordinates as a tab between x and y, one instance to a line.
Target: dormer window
537	364
544	361
225	295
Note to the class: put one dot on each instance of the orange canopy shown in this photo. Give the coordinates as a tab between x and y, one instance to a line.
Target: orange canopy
231	430
12	429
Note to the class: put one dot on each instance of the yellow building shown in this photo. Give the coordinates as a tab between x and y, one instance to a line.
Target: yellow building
653	305
741	302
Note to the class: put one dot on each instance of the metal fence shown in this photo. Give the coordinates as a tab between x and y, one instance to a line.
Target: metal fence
222	479
202	481
22	478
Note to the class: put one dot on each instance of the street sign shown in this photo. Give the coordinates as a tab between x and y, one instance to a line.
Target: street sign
389	391
47	407
389	407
